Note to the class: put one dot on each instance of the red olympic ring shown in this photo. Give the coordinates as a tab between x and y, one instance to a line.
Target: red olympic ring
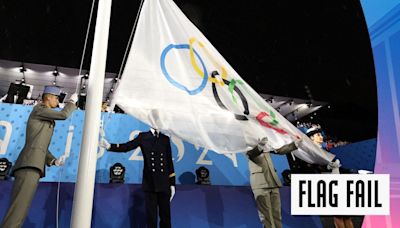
260	117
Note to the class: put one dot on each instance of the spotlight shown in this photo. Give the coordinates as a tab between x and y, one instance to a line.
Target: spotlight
5	168
22	68
55	72
203	176
86	76
116	79
117	173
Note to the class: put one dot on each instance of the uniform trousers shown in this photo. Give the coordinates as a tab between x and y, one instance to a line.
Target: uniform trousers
158	201
269	207
24	188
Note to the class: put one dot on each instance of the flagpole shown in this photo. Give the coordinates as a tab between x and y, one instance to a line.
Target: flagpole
84	188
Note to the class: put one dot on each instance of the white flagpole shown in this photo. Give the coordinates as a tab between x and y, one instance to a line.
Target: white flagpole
84	188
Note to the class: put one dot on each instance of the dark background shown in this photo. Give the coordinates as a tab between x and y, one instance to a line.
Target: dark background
315	50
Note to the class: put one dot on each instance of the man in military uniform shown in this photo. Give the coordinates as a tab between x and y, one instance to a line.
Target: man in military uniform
265	182
30	165
158	181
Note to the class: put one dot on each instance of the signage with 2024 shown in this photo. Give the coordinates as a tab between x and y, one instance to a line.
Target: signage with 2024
225	169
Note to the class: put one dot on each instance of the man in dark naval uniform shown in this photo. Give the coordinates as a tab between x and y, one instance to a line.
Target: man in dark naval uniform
158	181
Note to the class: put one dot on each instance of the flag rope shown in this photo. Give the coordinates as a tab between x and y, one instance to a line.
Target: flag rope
77	90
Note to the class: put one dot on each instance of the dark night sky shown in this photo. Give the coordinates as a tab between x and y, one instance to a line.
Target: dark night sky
279	47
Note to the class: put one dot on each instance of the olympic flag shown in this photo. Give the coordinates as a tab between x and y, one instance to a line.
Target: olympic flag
176	81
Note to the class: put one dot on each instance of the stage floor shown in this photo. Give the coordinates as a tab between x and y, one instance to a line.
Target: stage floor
122	205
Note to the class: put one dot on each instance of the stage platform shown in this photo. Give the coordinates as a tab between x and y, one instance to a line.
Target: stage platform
122	205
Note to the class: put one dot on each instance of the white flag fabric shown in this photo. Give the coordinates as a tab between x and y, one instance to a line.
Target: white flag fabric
177	82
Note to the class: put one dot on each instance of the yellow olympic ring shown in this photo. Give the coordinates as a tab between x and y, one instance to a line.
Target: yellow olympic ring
200	71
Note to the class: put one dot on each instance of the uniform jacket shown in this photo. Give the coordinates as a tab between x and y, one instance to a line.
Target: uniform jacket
262	171
39	131
158	168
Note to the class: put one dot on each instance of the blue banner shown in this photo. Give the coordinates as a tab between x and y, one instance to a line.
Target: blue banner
225	169
118	128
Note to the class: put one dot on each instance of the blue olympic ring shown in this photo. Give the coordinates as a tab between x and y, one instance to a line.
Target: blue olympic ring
175	83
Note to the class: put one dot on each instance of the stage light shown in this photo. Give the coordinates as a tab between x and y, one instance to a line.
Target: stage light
5	168
22	68
86	76
117	173
55	72
203	176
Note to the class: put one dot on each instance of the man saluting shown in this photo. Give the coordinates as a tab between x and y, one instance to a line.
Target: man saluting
30	165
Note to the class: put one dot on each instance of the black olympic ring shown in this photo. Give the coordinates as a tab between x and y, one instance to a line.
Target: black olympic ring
237	90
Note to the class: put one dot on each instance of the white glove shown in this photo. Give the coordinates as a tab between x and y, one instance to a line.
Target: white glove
261	144
60	161
297	140
73	98
104	143
172	193
334	166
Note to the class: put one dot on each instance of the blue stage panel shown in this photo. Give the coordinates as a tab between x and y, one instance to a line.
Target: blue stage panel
122	205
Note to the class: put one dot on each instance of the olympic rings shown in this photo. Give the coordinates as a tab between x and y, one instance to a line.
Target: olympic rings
237	90
198	70
232	85
175	83
260	117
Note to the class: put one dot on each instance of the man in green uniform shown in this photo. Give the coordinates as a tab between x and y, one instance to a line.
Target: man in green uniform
30	165
265	182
